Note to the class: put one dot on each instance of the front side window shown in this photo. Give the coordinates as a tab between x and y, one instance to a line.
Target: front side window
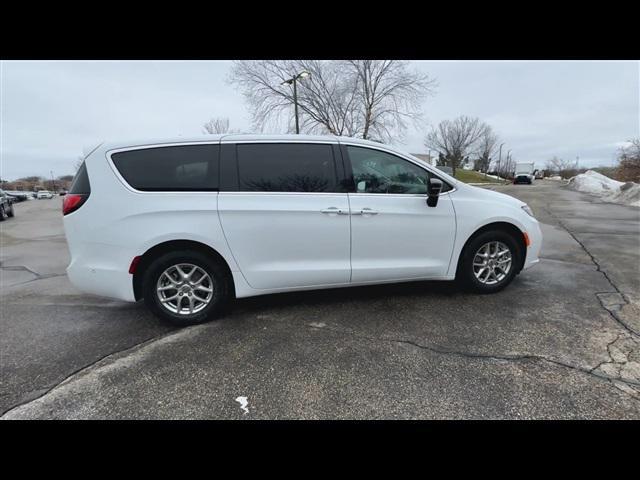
375	171
286	167
176	168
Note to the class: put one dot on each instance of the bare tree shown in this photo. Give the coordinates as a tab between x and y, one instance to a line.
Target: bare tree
559	166
629	158
360	98
455	139
218	125
390	94
486	147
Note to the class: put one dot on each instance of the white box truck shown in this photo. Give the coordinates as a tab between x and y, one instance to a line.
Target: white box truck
524	173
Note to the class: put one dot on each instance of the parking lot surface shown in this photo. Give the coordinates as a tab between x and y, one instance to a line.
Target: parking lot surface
563	341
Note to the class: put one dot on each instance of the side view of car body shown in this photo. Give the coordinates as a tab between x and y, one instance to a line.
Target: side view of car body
188	224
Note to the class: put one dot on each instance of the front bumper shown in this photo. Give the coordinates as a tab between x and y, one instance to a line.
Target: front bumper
533	250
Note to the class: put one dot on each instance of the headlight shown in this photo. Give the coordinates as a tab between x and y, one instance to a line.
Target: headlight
528	210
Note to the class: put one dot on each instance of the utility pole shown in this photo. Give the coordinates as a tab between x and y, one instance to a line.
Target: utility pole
294	80
53	183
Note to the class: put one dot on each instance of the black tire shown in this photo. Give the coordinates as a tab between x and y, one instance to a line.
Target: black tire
11	213
3	214
221	286
466	276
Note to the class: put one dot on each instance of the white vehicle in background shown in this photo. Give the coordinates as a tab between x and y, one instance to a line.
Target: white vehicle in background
524	173
44	194
189	224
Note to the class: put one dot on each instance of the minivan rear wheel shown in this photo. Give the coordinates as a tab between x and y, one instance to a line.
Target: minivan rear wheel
490	262
185	287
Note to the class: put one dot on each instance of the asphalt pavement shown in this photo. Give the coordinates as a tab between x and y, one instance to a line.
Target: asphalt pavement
563	341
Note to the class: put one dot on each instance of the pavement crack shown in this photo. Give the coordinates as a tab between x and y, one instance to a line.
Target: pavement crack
79	371
612	379
23	268
19	268
612	311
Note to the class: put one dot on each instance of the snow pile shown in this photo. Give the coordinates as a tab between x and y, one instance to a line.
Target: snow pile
610	190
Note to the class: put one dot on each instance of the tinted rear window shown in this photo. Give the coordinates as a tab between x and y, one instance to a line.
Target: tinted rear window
178	168
80	184
285	167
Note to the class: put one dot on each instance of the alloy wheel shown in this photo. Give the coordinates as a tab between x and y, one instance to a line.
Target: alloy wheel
492	263
185	289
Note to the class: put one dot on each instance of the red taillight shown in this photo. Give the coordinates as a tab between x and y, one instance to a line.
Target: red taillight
72	202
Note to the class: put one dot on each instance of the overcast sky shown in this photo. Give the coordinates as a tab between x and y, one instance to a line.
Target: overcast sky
51	110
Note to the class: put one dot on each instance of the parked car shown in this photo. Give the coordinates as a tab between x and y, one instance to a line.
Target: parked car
187	225
17	195
6	205
62	193
44	194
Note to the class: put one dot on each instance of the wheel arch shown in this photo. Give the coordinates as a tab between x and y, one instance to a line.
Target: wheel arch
506	227
172	245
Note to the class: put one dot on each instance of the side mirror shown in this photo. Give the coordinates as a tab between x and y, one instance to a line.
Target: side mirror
434	187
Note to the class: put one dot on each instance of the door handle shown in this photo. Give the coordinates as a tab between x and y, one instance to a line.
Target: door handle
368	211
333	210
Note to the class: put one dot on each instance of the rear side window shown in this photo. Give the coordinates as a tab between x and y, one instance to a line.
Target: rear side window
80	184
283	167
177	168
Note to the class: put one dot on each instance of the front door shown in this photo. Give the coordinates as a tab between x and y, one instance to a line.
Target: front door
394	234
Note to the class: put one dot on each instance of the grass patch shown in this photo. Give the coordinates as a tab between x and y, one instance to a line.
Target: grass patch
469	176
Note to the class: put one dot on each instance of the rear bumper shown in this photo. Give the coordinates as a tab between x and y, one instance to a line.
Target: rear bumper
106	274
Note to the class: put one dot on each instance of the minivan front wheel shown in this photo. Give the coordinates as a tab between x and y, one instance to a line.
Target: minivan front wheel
185	288
490	262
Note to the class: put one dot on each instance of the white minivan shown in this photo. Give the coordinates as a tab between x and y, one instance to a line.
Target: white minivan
188	224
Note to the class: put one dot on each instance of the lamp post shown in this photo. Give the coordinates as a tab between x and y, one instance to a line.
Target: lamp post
294	80
500	158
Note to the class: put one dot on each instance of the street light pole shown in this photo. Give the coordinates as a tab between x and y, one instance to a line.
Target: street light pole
295	103
294	80
500	158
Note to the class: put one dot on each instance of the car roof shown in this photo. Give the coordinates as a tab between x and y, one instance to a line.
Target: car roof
113	145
